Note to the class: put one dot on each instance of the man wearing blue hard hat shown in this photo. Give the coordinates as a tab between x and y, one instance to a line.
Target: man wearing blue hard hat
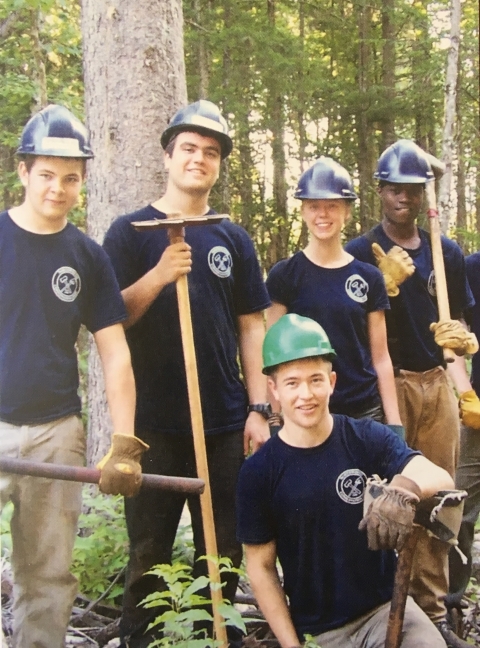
304	498
428	407
227	297
53	278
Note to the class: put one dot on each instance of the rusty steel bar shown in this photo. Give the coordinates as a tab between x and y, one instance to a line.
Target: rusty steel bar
92	475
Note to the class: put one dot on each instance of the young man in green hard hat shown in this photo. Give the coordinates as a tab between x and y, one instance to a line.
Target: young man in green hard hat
300	498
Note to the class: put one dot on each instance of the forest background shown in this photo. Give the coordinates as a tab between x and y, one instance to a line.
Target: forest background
296	79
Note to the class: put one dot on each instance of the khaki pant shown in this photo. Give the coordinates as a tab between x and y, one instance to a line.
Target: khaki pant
43	527
429	413
369	630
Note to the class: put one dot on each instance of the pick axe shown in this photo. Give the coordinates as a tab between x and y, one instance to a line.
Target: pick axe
438	168
441	516
175	225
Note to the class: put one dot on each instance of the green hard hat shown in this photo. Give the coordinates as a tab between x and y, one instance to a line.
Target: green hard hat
294	337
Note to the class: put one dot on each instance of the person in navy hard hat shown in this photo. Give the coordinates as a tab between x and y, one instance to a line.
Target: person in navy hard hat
53	278
346	296
428	406
227	296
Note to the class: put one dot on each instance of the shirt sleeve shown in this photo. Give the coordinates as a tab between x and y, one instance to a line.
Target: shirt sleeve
105	305
378	298
250	293
277	286
254	519
459	293
119	244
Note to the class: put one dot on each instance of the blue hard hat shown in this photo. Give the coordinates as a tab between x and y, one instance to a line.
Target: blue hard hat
404	163
55	132
202	117
325	180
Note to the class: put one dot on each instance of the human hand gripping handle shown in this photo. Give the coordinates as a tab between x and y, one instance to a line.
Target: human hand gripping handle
396	266
120	469
389	519
469	405
451	334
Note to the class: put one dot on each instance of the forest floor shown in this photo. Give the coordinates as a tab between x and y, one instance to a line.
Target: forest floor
94	624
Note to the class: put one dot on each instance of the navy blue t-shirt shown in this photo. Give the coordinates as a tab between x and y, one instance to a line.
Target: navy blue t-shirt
339	299
472	264
225	282
310	502
49	285
415	308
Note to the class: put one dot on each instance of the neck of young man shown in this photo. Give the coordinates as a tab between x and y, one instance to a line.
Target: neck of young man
406	235
327	254
300	437
29	220
188	205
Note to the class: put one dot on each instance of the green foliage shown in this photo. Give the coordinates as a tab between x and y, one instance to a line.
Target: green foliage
5	537
184	605
101	547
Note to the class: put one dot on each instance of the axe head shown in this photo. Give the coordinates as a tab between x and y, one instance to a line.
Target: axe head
179	221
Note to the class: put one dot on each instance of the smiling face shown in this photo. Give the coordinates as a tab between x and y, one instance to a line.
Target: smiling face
52	187
194	165
401	203
303	388
325	218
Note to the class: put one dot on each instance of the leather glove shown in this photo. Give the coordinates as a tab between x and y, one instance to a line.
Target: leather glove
396	266
121	473
469	404
389	519
451	334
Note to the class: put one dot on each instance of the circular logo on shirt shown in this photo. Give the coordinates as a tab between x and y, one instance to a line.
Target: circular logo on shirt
432	286
356	288
220	261
351	486
66	284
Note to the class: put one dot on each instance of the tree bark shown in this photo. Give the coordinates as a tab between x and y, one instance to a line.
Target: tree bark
134	82
448	143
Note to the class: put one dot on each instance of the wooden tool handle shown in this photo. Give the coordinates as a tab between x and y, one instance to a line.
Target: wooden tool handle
177	234
400	590
438	262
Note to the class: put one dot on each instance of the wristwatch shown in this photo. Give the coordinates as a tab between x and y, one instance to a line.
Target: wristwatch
262	408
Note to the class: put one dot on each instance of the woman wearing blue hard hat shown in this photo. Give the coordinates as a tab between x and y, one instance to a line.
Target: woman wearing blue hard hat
346	297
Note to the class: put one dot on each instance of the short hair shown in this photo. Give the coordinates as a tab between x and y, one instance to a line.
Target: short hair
29	161
171	145
272	371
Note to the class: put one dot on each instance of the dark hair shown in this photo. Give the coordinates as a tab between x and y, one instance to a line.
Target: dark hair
29	161
171	145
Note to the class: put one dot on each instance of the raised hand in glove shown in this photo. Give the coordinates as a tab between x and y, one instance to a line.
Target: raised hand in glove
451	334
121	473
389	519
469	404
396	266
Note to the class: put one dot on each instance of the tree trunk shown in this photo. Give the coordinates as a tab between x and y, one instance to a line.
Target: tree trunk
388	73
134	82
449	121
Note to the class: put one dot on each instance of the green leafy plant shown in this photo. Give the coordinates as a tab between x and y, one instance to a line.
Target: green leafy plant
101	547
184	605
5	537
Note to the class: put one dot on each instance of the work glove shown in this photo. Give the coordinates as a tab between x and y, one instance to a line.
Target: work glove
469	405
451	334
389	519
396	266
121	473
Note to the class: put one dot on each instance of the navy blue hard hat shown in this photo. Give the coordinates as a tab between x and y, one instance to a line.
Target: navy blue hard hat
202	117
55	132
404	163
325	180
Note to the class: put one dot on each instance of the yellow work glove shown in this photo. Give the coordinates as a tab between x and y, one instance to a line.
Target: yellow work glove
396	266
121	473
451	334
469	405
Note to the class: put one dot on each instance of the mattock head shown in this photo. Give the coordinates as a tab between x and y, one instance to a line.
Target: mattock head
175	223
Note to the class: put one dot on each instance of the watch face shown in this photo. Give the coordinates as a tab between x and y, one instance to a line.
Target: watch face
262	408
